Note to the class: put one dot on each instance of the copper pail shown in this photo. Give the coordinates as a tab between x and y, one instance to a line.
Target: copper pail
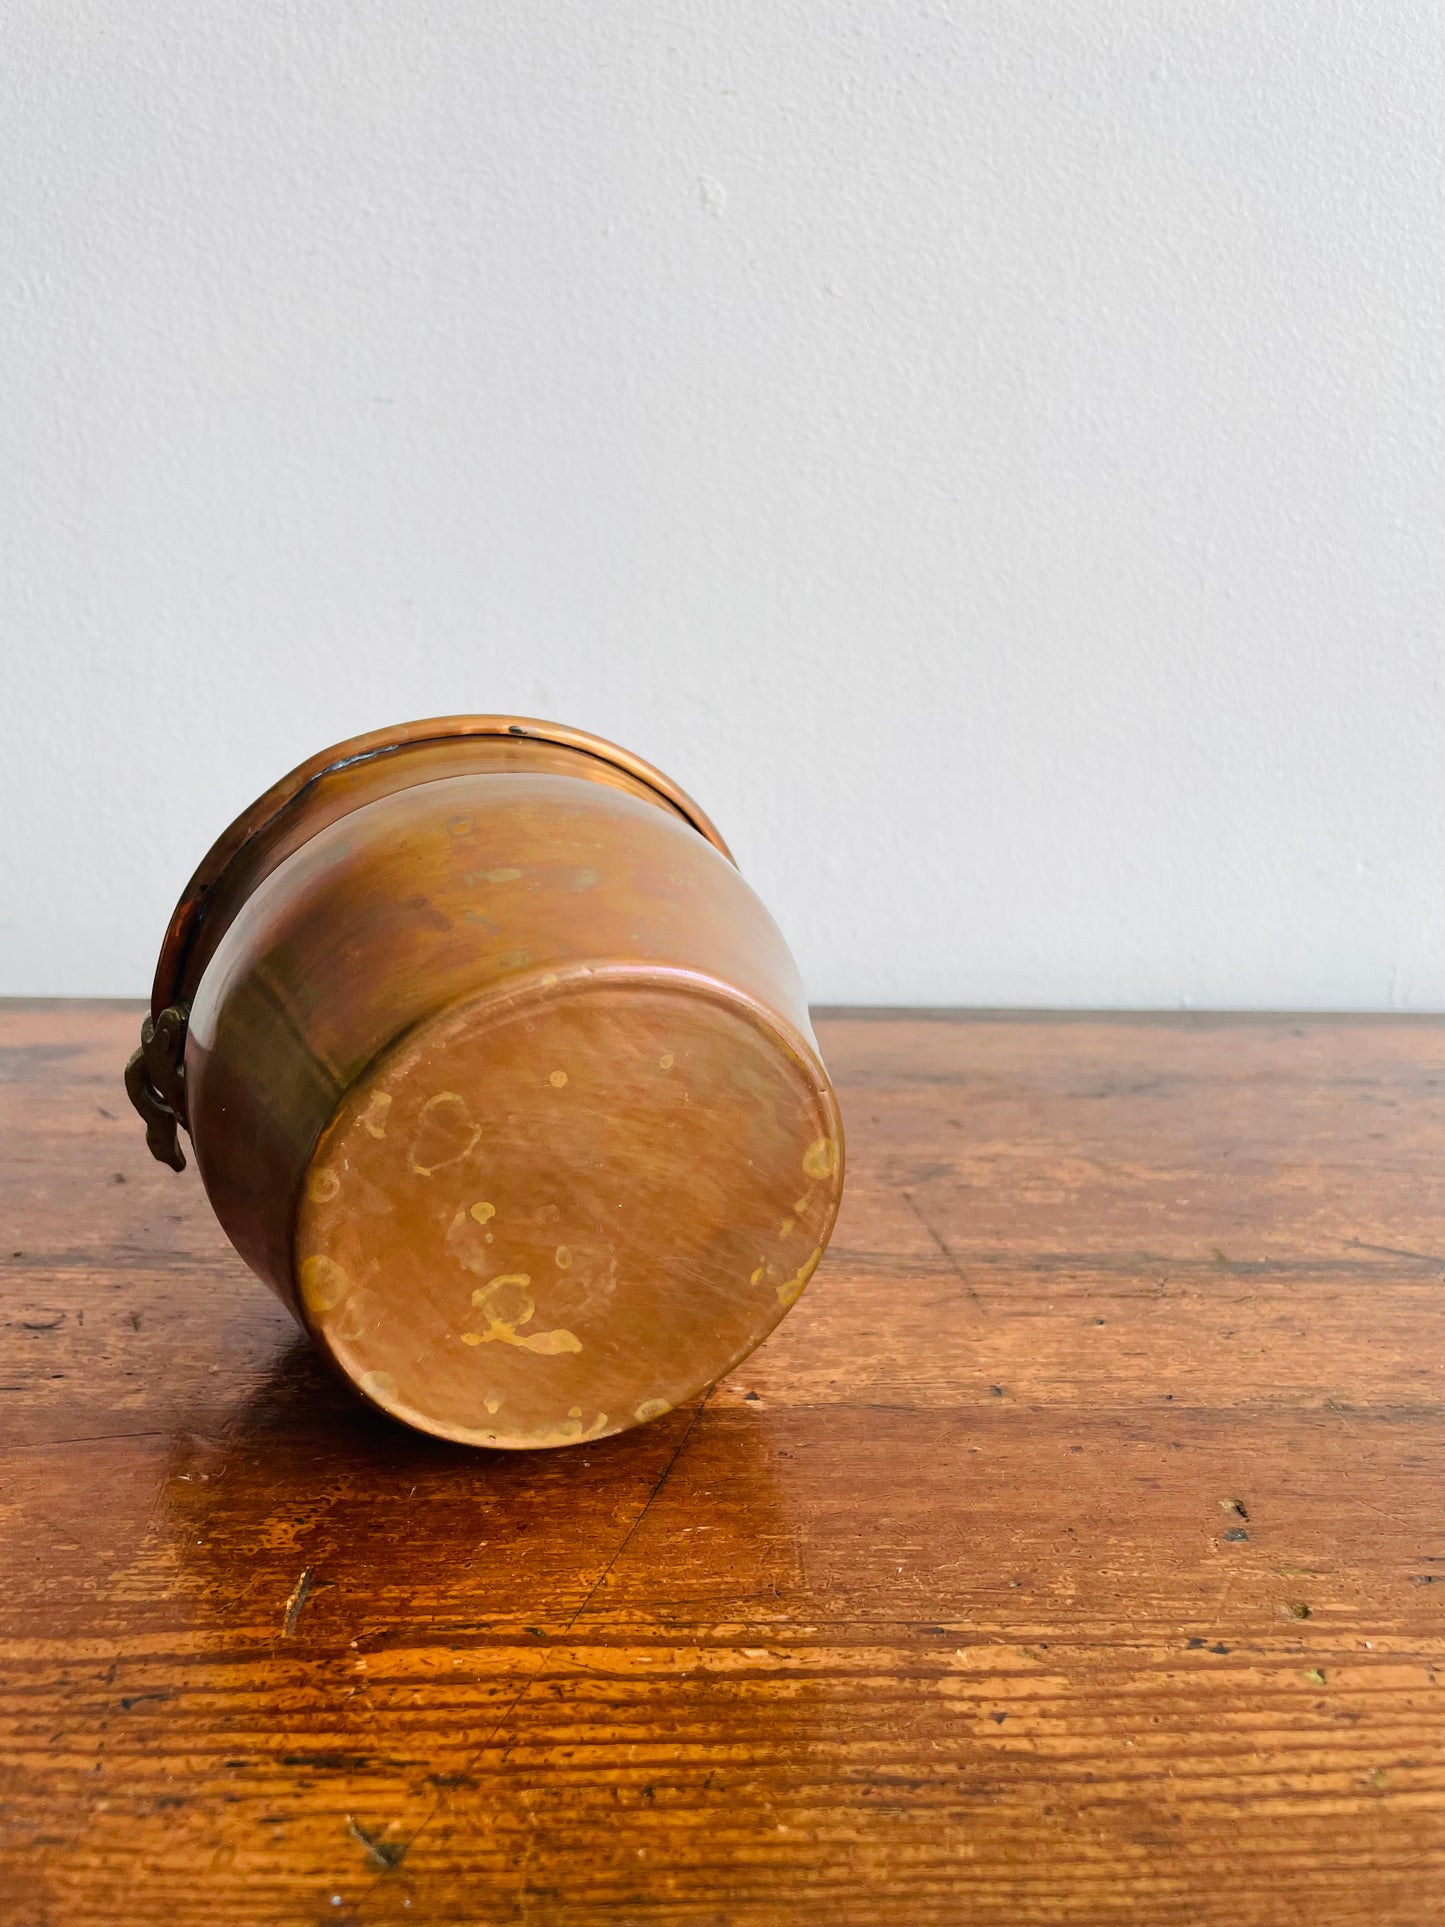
500	1076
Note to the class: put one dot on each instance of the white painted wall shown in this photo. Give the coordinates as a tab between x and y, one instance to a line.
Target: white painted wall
993	454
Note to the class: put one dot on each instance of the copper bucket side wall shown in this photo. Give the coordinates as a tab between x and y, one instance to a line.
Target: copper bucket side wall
424	899
349	775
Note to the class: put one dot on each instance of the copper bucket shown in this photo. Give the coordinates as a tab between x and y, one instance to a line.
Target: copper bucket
500	1076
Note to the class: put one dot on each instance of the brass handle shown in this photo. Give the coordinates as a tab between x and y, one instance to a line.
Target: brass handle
155	1082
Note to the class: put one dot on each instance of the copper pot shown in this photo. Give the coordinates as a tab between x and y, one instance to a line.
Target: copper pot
500	1076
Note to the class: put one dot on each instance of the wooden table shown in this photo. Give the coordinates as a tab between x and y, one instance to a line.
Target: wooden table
1074	1553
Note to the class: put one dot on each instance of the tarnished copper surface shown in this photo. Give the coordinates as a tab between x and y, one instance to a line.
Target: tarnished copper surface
501	1077
338	780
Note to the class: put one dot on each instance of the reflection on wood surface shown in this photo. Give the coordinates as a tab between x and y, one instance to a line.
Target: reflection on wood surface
1073	1553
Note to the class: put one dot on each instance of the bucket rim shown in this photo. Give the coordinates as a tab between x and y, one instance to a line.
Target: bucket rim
175	978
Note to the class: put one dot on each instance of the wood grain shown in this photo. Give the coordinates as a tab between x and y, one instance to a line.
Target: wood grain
1074	1552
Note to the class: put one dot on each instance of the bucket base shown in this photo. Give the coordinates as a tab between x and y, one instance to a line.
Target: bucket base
552	1214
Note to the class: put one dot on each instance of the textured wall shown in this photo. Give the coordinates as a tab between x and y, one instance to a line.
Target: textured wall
993	454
